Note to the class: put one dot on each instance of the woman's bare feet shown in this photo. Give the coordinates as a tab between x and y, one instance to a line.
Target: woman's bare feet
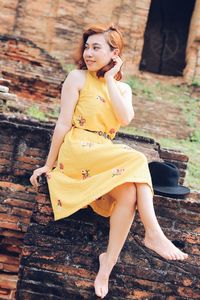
102	278
159	243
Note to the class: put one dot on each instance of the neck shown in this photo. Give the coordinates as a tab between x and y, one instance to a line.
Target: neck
94	74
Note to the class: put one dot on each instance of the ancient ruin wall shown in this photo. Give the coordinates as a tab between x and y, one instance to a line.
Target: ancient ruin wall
56	26
39	256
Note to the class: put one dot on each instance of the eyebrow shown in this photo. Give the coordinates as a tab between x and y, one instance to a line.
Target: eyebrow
94	44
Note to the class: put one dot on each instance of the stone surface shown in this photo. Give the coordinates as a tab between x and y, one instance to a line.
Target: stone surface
31	73
40	258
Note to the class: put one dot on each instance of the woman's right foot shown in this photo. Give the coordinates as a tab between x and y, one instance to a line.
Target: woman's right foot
102	278
159	243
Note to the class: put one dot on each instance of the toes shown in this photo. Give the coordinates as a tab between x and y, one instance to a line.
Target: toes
177	254
104	293
97	292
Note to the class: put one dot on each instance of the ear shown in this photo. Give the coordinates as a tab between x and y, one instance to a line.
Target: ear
116	52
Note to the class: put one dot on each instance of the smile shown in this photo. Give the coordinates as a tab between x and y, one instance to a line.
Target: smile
89	62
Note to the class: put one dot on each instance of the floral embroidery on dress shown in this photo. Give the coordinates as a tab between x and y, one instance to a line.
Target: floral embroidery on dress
117	171
61	166
59	203
100	98
81	120
85	173
87	144
112	130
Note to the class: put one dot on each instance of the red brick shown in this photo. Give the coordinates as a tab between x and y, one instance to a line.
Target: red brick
7	148
8	233
188	293
138	294
42	199
4	161
24	166
20	203
9	218
8	281
4	209
9	259
83	284
45	209
21	212
11	268
12	186
35	152
173	155
5	155
29	160
9	225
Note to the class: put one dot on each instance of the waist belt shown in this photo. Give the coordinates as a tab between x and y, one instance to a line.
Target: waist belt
101	133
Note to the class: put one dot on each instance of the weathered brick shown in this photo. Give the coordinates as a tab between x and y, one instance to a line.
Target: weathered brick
10	268
4	209
21	212
169	154
188	293
8	281
9	218
9	259
50	248
12	186
18	203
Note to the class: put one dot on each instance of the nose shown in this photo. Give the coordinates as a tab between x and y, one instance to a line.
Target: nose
88	52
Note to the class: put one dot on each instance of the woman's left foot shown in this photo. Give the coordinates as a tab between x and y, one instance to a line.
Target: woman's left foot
159	243
102	278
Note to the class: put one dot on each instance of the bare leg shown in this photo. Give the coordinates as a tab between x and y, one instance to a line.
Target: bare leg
154	236
120	224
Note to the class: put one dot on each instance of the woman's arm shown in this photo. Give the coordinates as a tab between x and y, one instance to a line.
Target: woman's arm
121	102
69	98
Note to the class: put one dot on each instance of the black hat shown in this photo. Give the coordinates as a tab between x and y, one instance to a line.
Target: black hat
165	177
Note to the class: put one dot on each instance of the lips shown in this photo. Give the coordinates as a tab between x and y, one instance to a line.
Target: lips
89	62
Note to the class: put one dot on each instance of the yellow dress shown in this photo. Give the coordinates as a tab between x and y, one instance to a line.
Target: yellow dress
90	165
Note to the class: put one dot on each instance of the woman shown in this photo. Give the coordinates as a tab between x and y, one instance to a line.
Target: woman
91	169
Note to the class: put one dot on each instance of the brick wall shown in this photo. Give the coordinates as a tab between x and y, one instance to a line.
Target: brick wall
44	259
56	27
31	73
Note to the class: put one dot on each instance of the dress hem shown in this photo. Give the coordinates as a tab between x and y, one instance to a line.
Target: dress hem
100	212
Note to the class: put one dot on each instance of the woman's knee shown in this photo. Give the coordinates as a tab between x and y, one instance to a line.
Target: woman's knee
125	193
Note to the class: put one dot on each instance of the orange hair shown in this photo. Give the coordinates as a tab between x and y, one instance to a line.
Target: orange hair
114	39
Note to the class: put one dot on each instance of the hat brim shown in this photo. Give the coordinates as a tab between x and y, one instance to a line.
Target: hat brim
169	190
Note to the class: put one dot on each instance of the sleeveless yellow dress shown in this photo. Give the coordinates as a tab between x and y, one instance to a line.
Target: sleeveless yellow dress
89	164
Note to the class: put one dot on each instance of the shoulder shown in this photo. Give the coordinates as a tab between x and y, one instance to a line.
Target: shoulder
76	78
124	87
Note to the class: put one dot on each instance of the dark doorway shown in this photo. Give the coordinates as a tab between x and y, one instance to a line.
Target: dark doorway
166	36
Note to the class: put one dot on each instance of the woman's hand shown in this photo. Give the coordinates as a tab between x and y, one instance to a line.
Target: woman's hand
115	69
36	173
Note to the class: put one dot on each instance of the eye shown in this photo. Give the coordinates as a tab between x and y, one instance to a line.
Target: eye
96	47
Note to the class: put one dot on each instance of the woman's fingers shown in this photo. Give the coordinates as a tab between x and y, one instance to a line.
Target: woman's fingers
33	180
36	174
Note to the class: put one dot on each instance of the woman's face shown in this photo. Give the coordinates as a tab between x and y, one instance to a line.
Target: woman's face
97	52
